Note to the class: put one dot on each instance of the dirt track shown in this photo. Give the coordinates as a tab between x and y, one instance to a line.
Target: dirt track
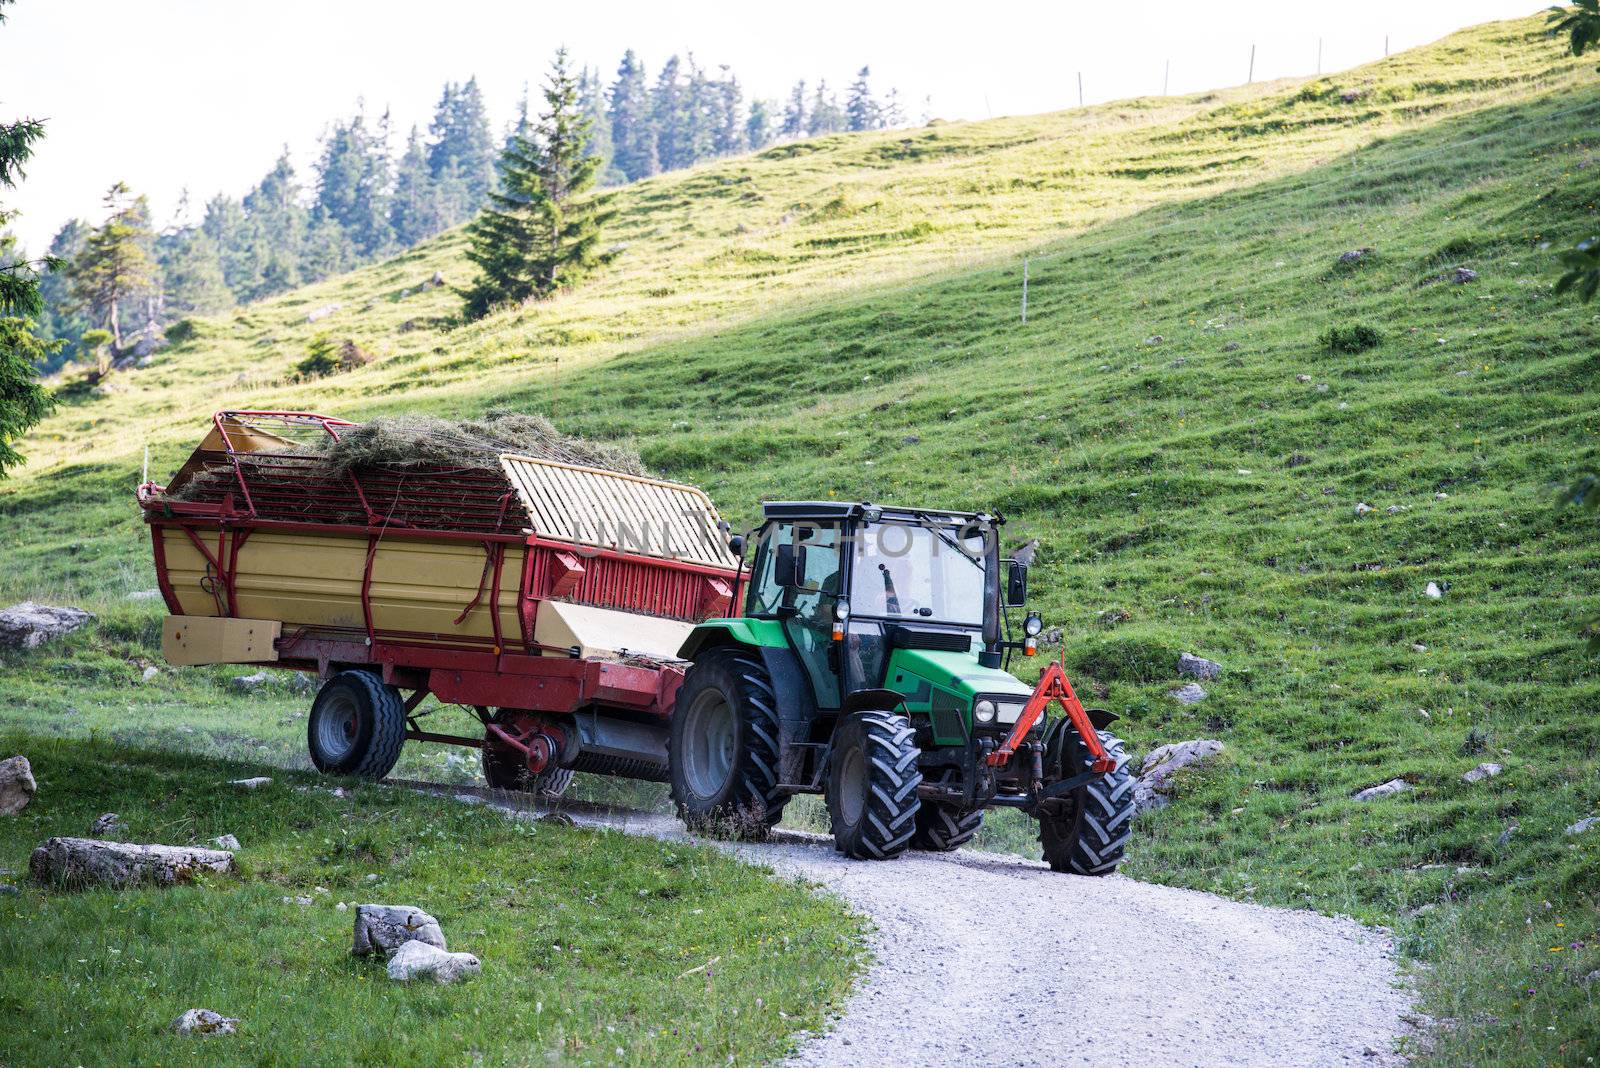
983	959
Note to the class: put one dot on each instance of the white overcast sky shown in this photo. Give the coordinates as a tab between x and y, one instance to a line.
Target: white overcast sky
200	94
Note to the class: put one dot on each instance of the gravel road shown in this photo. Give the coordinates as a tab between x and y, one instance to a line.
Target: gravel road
986	959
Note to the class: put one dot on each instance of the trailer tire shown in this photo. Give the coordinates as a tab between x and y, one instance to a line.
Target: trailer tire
722	747
872	785
1087	832
505	769
356	727
942	827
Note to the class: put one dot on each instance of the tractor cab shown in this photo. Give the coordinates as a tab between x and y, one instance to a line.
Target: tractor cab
869	665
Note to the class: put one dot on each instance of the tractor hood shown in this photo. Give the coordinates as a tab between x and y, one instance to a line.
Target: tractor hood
957	672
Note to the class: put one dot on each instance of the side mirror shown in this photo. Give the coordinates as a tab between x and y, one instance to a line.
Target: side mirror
736	545
789	565
1016	585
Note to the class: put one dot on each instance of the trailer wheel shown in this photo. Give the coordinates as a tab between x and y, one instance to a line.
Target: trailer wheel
944	827
357	726
504	769
872	785
722	748
1087	831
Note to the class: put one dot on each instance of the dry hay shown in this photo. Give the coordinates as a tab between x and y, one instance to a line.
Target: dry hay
425	441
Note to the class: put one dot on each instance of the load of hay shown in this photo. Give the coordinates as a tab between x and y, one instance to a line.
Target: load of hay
425	441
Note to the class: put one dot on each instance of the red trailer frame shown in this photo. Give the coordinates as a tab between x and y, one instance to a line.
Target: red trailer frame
236	491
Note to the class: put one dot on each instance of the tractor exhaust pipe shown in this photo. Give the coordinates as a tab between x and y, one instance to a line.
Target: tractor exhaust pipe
991	656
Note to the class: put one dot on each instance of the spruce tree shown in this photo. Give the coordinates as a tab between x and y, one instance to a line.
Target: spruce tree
540	233
114	268
191	273
794	113
700	116
668	116
894	113
59	320
825	117
353	183
592	102
460	132
758	127
731	136
633	132
862	111
414	211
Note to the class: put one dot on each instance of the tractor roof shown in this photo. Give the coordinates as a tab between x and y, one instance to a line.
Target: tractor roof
839	511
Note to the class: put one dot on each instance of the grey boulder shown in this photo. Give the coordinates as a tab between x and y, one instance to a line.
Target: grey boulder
386	928
205	1023
1197	667
108	825
1481	772
77	863
1386	789
16	785
1155	785
29	625
1190	693
419	960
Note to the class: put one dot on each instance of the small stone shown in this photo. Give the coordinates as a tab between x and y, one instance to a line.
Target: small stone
1505	836
298	899
1350	96
1363	508
1355	255
1393	509
1154	339
205	1023
1297	459
1322	387
108	825
1302	378
29	625
151	672
910	439
1232	346
1432	591
1424	713
16	785
437	279
1180	361
251	784
1197	667
1481	772
1188	694
341	907
321	313
1464	275
419	960
1441	496
226	841
1387	789
1584	824
372	878
1419	648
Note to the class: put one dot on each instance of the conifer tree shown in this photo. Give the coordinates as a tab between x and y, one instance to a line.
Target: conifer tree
414	209
794	113
59	320
731	136
668	116
191	273
758	127
353	183
592	102
460	132
862	111
633	132
539	232
894	113
114	268
825	116
700	116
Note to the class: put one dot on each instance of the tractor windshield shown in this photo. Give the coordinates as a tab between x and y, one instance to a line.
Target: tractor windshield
913	571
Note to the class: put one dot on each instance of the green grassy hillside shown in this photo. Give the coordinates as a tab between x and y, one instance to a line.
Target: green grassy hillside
841	317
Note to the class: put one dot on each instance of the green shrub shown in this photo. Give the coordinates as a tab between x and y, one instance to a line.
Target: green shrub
1357	338
322	358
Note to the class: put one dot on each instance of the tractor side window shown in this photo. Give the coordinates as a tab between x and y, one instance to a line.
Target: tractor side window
820	581
765	595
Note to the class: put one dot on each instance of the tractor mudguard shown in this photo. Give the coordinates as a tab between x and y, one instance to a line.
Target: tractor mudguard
1101	718
876	700
797	709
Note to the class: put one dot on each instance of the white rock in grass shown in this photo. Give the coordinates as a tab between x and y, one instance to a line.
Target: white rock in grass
108	825
1387	789
205	1023
251	784
16	785
1191	693
1363	508
250	683
1432	591
1482	772
151	673
226	841
1154	786
385	928
29	625
419	960
1584	824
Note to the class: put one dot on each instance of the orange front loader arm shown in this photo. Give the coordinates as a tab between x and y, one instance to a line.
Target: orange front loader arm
1053	686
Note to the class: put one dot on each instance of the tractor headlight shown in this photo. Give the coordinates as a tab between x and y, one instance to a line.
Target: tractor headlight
1032	625
984	711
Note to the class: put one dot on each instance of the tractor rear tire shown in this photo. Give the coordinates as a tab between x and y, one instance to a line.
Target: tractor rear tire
942	828
872	785
1089	829
357	726
722	747
504	769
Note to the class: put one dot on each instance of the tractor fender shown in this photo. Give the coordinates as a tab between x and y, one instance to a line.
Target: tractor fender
1101	718
797	708
874	700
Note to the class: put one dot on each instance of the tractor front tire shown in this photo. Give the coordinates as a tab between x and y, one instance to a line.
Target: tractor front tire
504	769
357	726
722	747
872	785
1087	831
942	828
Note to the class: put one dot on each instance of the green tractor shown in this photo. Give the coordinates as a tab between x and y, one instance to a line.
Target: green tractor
869	667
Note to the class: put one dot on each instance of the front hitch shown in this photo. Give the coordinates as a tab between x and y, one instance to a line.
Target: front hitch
1054	686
